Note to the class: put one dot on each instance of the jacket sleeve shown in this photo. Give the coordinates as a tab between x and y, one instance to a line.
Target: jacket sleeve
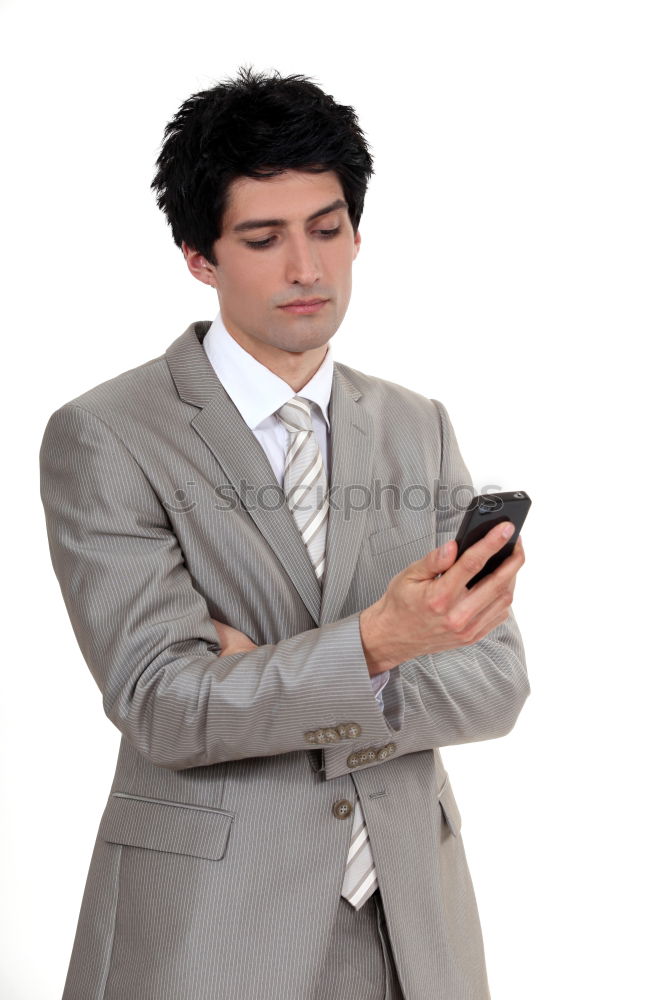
146	633
457	696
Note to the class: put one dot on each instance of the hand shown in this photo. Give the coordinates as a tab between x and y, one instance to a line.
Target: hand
421	613
232	640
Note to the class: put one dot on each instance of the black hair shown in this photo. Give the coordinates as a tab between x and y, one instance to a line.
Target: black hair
254	126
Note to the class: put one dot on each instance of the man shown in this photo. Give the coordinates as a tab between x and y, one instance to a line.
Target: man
271	635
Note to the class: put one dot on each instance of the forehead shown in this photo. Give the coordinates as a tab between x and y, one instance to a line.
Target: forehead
292	195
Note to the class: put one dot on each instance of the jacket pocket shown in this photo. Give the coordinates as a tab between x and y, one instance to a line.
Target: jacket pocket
399	534
160	825
449	807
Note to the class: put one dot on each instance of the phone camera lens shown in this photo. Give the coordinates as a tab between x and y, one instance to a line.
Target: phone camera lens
490	503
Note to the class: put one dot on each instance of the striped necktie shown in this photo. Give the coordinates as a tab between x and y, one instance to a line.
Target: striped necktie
305	480
305	489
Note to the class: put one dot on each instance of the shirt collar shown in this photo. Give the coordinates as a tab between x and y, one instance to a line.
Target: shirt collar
256	391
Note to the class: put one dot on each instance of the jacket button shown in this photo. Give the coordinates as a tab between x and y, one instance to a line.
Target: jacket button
327	735
342	809
369	755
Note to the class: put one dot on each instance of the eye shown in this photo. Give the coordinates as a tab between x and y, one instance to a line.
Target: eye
259	244
262	244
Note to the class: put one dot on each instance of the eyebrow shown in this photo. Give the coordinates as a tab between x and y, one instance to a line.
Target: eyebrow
243	227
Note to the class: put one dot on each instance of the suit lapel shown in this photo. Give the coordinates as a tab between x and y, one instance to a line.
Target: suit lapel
350	471
246	465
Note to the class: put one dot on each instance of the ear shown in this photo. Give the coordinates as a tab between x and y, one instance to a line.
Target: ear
198	266
357	243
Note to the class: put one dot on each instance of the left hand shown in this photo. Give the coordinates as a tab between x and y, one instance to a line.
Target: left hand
232	640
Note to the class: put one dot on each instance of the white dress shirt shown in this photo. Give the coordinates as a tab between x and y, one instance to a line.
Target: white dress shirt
257	393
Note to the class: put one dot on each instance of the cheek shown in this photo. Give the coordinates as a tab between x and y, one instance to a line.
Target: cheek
243	283
345	281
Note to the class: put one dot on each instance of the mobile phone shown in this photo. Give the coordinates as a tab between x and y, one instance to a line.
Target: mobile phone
485	511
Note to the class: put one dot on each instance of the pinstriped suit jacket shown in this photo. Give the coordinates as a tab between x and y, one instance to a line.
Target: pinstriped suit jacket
219	859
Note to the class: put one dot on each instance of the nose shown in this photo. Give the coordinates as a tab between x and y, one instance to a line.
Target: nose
303	266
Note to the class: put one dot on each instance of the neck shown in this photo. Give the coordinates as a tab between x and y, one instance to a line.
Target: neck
296	368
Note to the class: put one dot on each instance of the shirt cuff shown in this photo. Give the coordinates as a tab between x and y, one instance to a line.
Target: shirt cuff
380	681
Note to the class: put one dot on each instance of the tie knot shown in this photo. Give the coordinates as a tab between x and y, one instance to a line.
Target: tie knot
296	415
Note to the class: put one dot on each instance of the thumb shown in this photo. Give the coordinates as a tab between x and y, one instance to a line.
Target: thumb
445	556
437	561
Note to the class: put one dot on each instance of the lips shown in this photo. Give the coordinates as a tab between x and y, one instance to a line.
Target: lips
304	308
303	302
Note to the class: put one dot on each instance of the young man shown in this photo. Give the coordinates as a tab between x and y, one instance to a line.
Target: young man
282	660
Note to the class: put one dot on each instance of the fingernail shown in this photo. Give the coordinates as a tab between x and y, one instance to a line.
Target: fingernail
508	531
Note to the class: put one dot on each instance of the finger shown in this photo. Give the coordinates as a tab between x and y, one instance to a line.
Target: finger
492	585
475	605
493	615
476	556
493	606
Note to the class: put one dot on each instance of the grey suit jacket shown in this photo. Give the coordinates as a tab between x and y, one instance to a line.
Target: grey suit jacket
220	855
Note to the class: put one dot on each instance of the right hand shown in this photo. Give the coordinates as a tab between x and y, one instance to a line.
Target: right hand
232	640
420	613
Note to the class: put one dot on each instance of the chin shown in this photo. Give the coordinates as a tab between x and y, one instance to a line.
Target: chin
308	341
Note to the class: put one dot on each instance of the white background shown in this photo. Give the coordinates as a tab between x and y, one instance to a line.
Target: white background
512	266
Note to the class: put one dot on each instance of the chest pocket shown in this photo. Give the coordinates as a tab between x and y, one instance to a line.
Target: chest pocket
402	534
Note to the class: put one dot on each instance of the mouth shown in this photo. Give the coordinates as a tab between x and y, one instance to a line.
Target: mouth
304	306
